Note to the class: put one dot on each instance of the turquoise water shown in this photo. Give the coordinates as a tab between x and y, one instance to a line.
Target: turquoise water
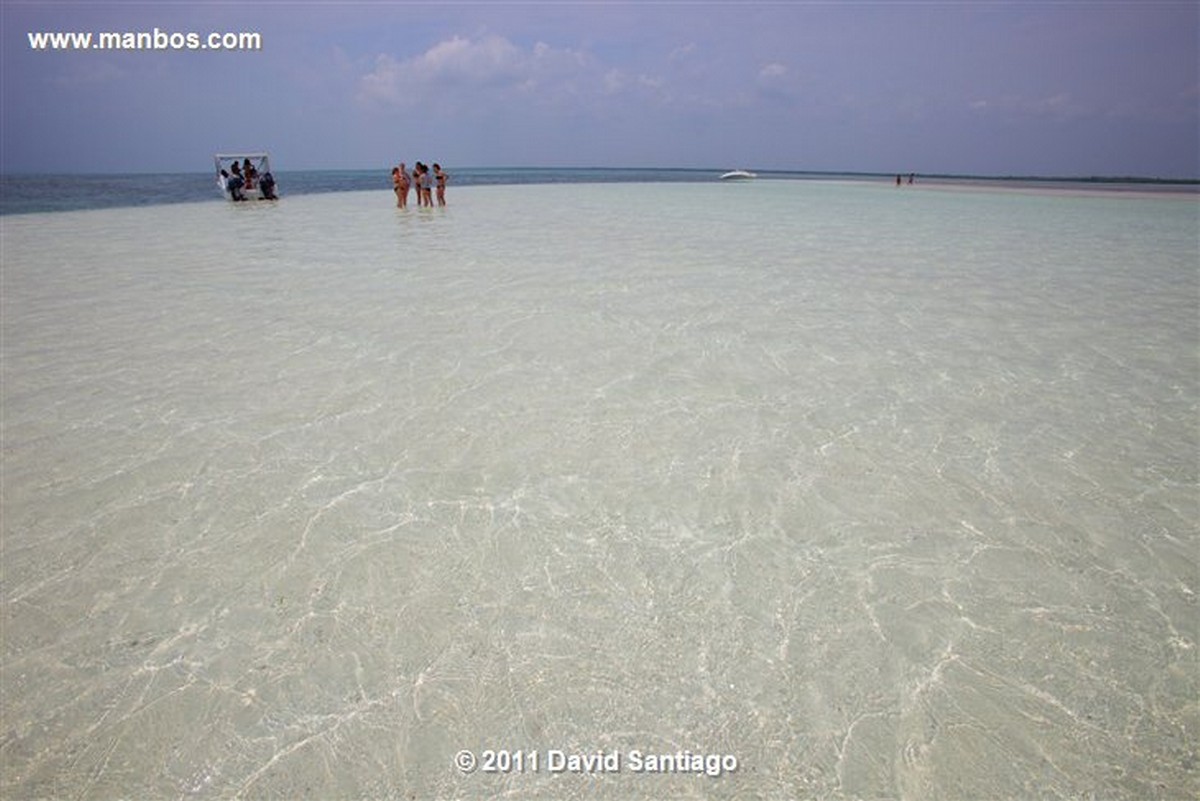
877	493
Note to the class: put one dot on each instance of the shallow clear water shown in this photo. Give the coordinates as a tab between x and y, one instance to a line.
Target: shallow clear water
886	493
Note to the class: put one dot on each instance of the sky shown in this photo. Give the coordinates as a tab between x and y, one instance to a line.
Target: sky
979	88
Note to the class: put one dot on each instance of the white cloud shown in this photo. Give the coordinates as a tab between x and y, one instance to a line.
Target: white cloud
682	52
772	71
614	81
488	59
460	75
462	71
775	84
1059	106
454	62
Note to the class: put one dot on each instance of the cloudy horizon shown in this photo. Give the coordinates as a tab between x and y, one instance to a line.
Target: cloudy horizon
983	88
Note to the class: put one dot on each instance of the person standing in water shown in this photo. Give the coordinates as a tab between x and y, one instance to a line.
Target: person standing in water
405	183
426	186
416	183
441	183
396	184
400	183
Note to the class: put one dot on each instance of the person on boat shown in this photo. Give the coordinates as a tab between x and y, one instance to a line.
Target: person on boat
266	186
249	173
441	183
235	170
233	183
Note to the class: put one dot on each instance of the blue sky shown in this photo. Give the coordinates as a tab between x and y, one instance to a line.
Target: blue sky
1014	88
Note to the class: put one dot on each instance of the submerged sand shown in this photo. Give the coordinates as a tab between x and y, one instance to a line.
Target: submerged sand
880	495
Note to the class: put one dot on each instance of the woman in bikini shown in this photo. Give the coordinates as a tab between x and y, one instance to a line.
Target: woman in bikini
441	184
401	182
426	186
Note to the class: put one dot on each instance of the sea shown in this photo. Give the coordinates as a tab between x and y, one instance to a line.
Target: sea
600	487
29	193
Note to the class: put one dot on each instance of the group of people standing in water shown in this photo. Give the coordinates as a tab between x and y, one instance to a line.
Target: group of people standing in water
422	182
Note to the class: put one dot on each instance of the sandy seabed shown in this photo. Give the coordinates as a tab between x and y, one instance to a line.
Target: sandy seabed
877	493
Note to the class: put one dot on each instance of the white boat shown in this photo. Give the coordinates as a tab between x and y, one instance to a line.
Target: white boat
259	185
734	175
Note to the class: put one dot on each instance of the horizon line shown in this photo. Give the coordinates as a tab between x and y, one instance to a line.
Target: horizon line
1094	178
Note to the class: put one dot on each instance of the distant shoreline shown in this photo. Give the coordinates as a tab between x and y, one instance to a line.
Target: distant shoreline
704	171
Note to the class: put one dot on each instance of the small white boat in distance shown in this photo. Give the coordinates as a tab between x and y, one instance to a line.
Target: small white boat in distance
734	175
238	183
